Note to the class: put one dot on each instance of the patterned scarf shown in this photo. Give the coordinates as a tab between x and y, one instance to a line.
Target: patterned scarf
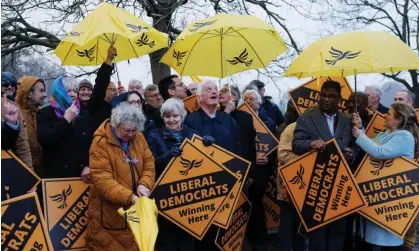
60	100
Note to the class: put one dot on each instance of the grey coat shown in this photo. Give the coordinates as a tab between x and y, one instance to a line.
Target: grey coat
312	126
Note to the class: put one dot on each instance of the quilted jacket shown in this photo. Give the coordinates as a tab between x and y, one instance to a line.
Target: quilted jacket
114	180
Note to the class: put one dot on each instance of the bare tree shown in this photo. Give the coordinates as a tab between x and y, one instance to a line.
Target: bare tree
168	16
400	17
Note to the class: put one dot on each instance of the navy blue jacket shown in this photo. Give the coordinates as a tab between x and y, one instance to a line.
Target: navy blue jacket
222	128
153	119
160	141
267	120
272	112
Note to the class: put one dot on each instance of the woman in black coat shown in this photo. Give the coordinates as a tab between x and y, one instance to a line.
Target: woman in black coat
64	133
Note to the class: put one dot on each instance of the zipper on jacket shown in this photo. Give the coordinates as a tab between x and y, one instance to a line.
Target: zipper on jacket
132	178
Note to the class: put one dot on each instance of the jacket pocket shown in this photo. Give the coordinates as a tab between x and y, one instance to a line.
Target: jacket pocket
109	217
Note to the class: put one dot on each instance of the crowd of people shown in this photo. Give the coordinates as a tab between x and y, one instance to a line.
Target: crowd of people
121	141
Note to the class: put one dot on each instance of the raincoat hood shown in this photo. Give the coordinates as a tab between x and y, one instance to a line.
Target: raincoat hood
25	84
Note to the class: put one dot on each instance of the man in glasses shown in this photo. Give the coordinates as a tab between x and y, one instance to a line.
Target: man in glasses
104	90
153	102
8	85
172	87
315	127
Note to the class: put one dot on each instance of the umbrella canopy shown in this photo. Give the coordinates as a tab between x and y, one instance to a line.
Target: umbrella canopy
222	45
352	53
88	42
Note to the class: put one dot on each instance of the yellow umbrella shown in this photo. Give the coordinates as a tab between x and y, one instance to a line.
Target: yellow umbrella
88	42
352	53
142	220
223	45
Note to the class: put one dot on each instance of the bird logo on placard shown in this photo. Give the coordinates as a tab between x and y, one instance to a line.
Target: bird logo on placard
188	165
145	41
136	28
241	59
212	154
87	53
62	197
340	55
379	165
298	178
131	217
198	25
178	55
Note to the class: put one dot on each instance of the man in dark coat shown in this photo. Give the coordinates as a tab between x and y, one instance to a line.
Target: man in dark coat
209	121
229	99
216	127
153	102
104	90
272	111
314	128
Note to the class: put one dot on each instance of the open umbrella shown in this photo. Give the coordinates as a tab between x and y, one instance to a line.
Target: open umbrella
142	220
88	42
353	53
224	44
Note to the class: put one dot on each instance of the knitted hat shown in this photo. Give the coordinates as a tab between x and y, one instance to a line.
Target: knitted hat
85	83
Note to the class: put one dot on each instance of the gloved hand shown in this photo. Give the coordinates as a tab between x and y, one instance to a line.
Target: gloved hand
208	140
143	191
175	151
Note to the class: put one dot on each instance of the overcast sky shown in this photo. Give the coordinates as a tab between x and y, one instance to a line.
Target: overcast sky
304	30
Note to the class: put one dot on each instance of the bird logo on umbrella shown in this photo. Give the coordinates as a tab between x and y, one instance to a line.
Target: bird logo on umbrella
199	25
145	41
339	55
241	59
136	28
87	53
178	55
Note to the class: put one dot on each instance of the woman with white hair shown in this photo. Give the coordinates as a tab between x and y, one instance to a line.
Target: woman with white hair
254	100
164	144
64	133
122	171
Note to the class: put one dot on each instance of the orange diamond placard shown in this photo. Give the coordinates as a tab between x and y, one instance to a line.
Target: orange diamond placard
191	103
307	95
266	142
65	208
271	205
235	164
22	225
376	125
192	189
232	238
322	187
391	189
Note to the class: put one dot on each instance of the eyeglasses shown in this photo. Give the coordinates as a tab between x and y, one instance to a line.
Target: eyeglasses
155	95
136	102
181	84
112	89
330	96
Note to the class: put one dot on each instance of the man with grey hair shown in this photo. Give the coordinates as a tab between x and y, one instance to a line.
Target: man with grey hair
374	96
229	99
192	87
271	110
405	97
213	126
136	85
153	102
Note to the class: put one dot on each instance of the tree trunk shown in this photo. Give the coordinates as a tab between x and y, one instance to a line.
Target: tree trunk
159	70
